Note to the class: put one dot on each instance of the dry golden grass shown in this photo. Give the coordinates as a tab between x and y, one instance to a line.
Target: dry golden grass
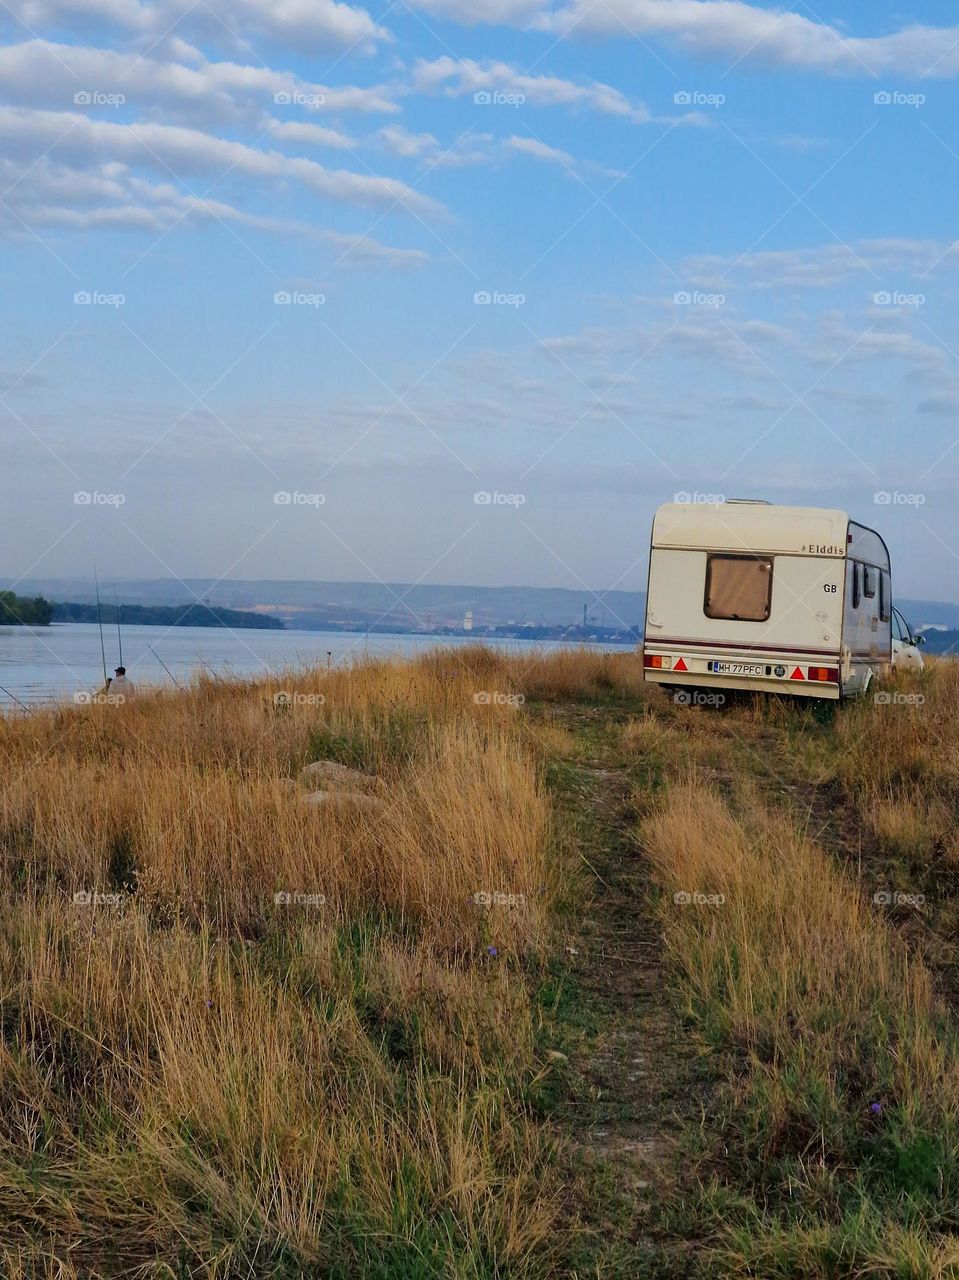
193	796
576	673
786	961
193	1071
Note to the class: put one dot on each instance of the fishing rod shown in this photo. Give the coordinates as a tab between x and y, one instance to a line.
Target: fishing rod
14	698
163	665
116	609
103	652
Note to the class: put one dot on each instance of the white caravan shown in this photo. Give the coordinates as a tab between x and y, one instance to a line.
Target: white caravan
747	595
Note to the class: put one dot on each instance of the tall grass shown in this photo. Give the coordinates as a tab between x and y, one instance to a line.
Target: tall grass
198	1079
898	759
837	1152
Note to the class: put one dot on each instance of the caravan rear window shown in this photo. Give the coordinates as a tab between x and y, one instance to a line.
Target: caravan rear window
738	587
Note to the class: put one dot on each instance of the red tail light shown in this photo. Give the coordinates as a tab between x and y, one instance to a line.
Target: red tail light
827	674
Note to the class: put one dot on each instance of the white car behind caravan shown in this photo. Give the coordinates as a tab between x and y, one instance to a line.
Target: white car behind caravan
747	595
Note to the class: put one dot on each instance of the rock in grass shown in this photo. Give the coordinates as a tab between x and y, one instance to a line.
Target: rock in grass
335	777
344	801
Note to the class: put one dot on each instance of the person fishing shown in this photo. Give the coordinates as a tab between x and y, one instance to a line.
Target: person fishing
116	688
121	685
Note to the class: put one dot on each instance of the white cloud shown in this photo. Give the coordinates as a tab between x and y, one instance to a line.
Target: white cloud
474	148
188	153
533	147
474	12
188	89
728	30
881	261
469	148
555	155
364	251
296	23
465	76
401	142
314	135
55	196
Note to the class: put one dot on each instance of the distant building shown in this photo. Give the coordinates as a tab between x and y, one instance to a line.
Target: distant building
468	620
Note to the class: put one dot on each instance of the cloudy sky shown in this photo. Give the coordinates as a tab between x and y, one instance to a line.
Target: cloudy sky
288	283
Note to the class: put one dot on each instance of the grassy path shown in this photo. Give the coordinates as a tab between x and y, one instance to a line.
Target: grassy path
632	1076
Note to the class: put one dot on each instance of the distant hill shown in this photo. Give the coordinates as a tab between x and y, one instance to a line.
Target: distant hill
402	606
410	607
924	613
182	615
941	642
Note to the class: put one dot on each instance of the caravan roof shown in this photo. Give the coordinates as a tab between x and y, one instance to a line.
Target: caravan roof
751	526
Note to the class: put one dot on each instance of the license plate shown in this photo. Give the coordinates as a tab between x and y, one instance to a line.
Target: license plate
737	668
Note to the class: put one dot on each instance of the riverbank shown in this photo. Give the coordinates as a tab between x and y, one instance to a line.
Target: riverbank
62	662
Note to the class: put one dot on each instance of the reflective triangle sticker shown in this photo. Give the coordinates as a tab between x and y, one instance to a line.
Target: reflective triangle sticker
681	665
797	675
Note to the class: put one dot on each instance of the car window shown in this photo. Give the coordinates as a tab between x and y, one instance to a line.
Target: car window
738	587
897	630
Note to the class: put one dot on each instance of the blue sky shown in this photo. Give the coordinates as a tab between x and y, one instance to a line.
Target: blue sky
718	241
